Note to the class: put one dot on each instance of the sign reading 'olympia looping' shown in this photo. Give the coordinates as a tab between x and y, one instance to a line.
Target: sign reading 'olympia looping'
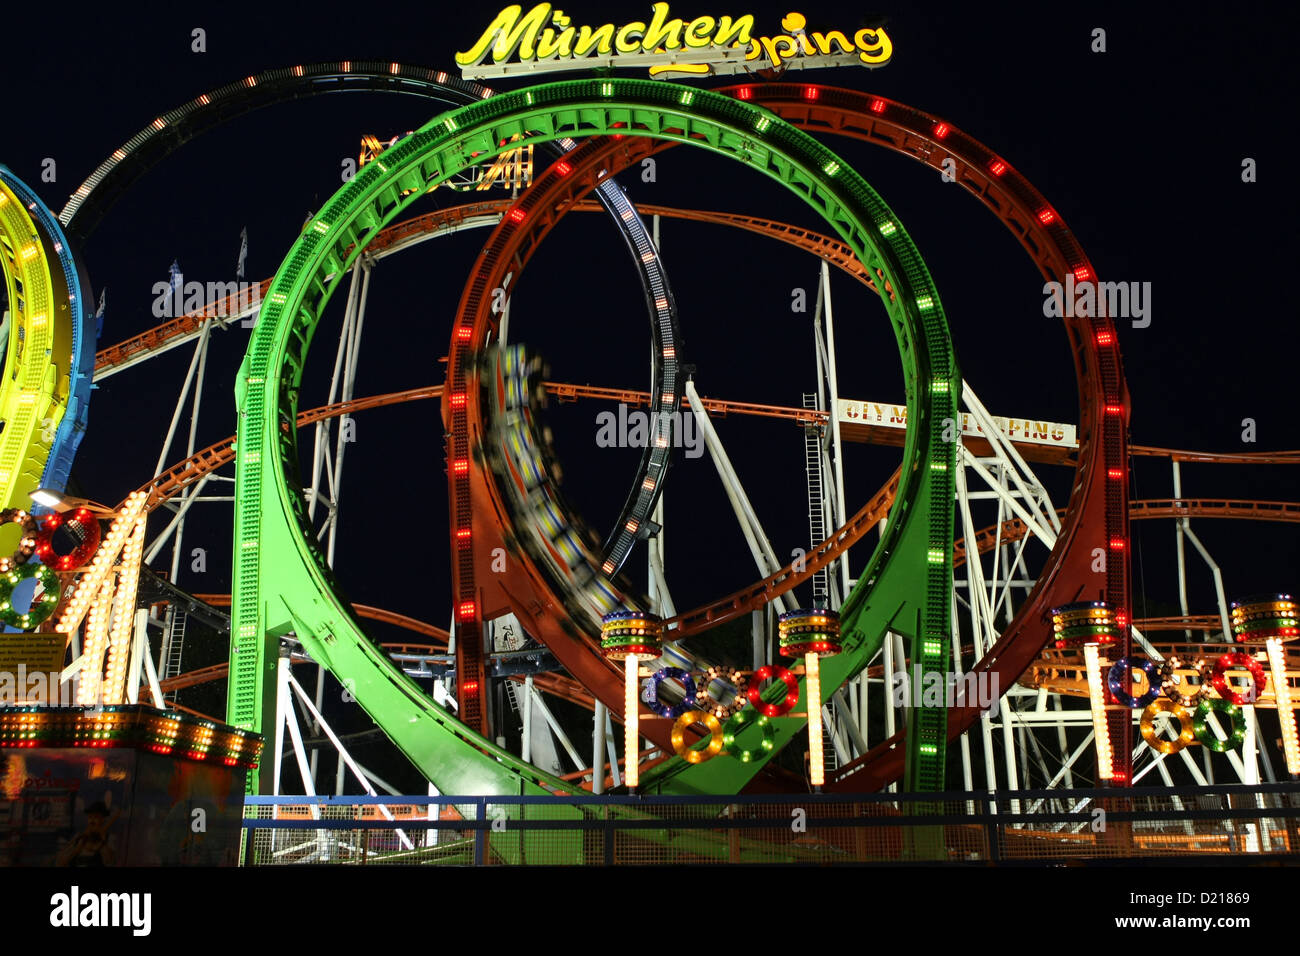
547	39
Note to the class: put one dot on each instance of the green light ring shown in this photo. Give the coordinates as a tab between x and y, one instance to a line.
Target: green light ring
276	552
736	723
41	608
1207	737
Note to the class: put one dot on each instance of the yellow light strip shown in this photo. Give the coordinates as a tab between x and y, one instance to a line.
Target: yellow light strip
631	722
96	639
101	565
119	647
1097	700
813	676
1285	715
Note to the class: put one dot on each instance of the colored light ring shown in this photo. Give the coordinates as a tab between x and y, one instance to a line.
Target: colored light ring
1276	601
274	555
773	672
804	631
86	527
1170	681
41	607
736	723
26	544
630	632
1085	631
1186	724
31	402
1258	620
671	673
705	700
1120	674
73	388
1207	737
935	617
716	737
1240	660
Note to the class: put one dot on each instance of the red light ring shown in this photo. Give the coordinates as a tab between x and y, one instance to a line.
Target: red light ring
1225	690
774	672
78	556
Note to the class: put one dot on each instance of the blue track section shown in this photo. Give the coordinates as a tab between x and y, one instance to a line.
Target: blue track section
82	367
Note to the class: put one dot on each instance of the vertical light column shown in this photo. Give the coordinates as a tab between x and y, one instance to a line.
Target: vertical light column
1097	701
1282	695
123	629
92	669
813	679
631	721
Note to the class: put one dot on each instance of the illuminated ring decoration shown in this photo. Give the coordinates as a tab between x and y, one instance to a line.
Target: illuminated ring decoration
815	630
674	673
1257	620
774	672
87	529
736	723
714	726
1121	669
1225	690
1169	681
278	567
26	544
1207	737
1186	723
41	608
704	696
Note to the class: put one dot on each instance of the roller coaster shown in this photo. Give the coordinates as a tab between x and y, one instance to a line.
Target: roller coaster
521	552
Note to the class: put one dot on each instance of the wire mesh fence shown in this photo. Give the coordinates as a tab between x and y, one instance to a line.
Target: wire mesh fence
814	829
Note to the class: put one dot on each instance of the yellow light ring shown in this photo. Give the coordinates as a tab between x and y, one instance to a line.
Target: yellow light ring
26	544
1186	725
28	403
711	723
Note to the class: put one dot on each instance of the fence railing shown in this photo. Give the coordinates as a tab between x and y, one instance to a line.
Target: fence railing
1251	822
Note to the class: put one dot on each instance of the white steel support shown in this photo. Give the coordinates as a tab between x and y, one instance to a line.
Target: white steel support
205	337
323	427
558	730
827	316
598	748
362	777
759	544
1218	577
199	352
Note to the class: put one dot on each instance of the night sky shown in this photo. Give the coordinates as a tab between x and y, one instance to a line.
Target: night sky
1139	149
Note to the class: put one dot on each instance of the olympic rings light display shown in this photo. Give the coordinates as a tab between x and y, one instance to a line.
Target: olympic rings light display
1184	716
704	696
711	723
737	723
1191	710
41	607
26	544
1170	682
774	672
81	523
1225	690
671	673
1120	674
1208	739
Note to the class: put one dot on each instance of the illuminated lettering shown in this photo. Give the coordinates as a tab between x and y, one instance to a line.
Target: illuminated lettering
544	33
658	32
602	37
511	33
622	40
698	32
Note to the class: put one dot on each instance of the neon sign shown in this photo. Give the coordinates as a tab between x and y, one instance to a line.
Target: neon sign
545	39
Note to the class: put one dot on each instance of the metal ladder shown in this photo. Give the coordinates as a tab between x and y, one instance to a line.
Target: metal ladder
175	645
812	443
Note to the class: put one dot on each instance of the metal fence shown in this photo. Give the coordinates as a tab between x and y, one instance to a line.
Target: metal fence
1252	823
